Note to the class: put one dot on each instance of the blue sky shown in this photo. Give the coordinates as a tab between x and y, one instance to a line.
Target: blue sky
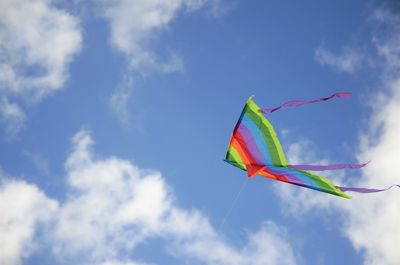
115	117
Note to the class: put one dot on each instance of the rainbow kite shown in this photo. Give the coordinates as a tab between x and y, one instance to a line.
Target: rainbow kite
255	148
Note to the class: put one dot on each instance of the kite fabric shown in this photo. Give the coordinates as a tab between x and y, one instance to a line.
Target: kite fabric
254	147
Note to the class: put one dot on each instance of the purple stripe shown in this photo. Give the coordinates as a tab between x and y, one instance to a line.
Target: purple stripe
296	103
328	167
251	144
365	190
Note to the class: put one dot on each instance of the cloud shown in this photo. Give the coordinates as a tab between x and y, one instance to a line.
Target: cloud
387	41
37	43
112	207
40	162
116	206
12	116
120	98
23	46
135	26
371	221
115	262
348	61
210	249
23	207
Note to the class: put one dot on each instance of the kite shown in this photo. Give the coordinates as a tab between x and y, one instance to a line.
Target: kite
254	147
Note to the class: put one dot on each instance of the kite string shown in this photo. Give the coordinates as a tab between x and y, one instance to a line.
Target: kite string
234	202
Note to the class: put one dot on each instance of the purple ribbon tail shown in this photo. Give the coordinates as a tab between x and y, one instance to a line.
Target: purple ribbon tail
365	190
296	103
328	167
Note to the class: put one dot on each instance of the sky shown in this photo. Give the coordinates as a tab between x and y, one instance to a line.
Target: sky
115	117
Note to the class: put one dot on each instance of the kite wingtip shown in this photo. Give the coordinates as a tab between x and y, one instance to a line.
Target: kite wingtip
347	196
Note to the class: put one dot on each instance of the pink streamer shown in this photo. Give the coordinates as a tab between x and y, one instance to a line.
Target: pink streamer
296	103
328	167
366	190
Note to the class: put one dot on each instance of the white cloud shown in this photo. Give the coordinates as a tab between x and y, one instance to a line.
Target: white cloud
115	206
22	208
37	43
348	61
23	47
263	247
112	207
371	222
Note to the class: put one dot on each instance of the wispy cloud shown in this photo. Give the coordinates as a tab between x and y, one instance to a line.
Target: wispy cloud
40	162
112	207
117	262
135	27
12	117
136	24
350	60
387	42
37	43
120	99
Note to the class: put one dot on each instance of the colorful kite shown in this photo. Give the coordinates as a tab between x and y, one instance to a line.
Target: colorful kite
255	148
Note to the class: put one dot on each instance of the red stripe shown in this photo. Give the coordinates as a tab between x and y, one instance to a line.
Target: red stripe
238	136
267	174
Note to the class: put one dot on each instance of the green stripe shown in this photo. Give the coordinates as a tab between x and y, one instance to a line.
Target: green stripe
268	132
325	184
233	156
253	106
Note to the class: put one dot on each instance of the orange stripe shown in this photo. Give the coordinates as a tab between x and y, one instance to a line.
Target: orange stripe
267	174
235	144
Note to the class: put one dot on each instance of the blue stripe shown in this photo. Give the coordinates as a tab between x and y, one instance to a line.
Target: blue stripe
298	174
250	144
258	137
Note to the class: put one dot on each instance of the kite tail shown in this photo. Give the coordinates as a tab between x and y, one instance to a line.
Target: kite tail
365	190
328	167
296	103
